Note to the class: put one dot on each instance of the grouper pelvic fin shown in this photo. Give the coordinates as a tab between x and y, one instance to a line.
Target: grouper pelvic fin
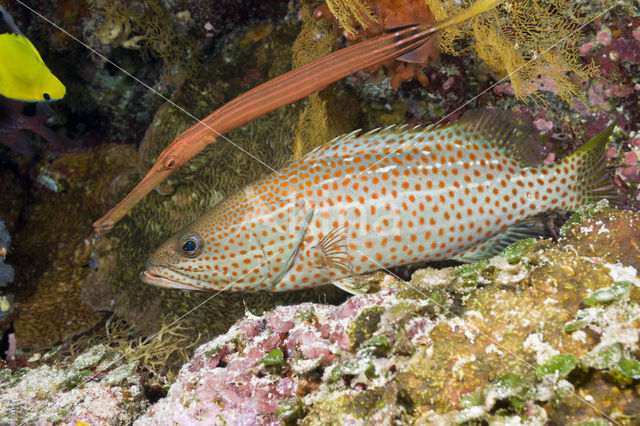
349	285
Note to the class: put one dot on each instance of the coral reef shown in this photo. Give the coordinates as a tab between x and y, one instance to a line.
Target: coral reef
542	332
413	353
52	247
91	390
8	345
143	25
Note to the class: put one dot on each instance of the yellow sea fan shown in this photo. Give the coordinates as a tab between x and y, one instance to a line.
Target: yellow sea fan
352	12
313	42
532	42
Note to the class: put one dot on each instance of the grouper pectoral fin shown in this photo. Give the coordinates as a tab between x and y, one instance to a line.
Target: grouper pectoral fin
333	253
332	249
543	225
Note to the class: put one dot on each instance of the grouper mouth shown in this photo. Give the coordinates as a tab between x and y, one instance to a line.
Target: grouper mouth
152	277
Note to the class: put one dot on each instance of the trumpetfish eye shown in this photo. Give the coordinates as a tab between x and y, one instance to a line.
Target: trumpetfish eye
192	246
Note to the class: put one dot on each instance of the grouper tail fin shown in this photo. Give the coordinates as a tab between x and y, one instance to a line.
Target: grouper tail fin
589	165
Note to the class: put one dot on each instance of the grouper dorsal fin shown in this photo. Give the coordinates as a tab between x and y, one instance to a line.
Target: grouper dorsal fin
513	136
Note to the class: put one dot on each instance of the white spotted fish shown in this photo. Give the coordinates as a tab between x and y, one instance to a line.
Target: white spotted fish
382	199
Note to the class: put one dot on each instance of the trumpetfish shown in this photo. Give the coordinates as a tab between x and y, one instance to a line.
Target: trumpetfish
280	91
382	199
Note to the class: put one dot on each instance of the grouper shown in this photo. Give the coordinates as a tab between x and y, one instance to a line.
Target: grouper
389	197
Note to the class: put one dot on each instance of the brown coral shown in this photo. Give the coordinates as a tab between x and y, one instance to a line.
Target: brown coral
52	245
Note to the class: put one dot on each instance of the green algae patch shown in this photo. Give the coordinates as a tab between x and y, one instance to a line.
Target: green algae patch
74	380
307	314
572	326
370	372
602	358
509	385
511	388
474	274
629	367
363	327
516	251
336	374
437	297
593	422
290	411
616	291
274	358
380	344
561	365
582	318
582	214
7	378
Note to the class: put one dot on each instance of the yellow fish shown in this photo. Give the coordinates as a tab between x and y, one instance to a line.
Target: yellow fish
23	74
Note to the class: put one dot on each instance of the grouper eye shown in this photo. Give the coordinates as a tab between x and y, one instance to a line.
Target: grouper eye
192	246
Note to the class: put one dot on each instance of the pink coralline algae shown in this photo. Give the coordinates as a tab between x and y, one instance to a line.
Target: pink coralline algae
542	124
626	163
237	379
586	48
604	37
310	344
448	83
550	158
612	47
630	168
504	89
225	383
